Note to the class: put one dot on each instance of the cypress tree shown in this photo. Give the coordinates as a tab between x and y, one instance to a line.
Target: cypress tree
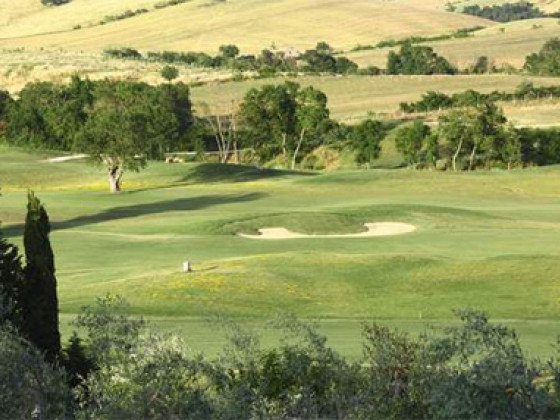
39	298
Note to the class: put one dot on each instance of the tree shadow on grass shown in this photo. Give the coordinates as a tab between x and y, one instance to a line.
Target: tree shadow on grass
216	172
138	210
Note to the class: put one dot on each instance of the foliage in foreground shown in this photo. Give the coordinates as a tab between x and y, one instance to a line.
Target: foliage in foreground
473	370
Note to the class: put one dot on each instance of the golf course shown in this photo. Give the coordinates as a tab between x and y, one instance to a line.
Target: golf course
486	240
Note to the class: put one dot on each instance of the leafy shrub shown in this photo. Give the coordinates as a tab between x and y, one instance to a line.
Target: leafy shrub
547	61
169	3
418	60
54	2
28	384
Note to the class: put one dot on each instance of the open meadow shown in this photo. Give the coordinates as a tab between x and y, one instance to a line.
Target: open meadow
486	240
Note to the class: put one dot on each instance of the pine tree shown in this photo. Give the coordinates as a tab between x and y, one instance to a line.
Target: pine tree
39	298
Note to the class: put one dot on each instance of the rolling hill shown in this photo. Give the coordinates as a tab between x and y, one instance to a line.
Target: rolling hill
507	43
206	24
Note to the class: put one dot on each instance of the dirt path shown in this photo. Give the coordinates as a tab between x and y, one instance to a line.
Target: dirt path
373	230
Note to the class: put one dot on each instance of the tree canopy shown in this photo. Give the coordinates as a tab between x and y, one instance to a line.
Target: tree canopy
284	119
547	61
413	59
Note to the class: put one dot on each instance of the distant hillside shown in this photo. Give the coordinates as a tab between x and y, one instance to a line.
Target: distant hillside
206	24
544	5
506	43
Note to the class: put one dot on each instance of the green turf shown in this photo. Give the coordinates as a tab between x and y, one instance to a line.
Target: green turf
486	240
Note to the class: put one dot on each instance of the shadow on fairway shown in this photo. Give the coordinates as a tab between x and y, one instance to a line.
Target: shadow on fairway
216	172
138	210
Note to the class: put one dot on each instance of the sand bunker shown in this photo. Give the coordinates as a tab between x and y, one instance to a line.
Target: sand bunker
373	230
65	158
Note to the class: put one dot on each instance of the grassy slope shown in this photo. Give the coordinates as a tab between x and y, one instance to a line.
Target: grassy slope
252	24
353	97
485	240
511	46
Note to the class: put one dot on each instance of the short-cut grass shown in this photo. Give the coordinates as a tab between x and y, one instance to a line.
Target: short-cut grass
485	240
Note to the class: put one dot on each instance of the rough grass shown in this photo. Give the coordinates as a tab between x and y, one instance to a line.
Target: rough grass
486	240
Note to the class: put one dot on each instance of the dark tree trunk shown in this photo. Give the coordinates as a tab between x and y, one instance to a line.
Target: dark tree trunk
115	176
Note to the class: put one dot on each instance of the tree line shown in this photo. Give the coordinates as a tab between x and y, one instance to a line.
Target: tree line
435	101
120	368
409	59
121	125
320	59
390	43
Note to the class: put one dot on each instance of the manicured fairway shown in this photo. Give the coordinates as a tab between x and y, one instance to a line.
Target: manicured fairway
485	240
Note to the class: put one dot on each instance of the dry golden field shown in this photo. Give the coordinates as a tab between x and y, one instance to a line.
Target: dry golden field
206	24
505	44
545	5
17	68
353	98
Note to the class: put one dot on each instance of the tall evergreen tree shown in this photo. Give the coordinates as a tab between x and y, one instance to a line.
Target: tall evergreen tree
39	298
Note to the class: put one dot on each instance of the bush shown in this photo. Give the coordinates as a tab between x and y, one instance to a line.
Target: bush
547	61
321	158
28	384
54	2
418	60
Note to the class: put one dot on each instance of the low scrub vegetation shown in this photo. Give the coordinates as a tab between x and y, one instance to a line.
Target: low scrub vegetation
473	370
54	2
390	43
124	15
